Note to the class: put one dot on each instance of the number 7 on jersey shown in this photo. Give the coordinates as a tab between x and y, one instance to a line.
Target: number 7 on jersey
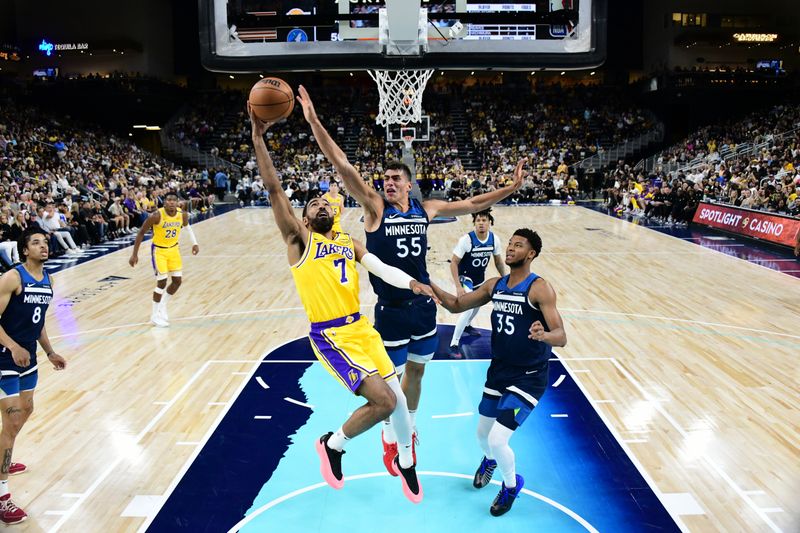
341	263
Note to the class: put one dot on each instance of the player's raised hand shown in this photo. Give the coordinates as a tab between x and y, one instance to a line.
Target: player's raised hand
308	106
519	173
259	126
420	288
537	332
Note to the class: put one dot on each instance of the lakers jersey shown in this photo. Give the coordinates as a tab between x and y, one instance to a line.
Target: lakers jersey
336	206
168	231
326	277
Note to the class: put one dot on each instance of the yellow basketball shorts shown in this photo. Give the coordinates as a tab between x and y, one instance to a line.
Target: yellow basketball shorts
166	260
351	349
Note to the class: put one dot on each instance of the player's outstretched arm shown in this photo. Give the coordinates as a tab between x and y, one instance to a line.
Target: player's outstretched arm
469	300
363	193
10	282
149	222
293	232
391	275
476	203
543	295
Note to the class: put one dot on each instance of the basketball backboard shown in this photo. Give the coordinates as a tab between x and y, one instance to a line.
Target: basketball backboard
305	35
420	131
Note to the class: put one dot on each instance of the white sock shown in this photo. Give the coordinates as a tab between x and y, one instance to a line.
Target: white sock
3	487
464	320
338	440
164	300
413	415
484	427
503	454
401	423
155	307
388	432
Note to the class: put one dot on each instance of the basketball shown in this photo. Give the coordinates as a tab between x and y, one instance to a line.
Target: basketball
272	99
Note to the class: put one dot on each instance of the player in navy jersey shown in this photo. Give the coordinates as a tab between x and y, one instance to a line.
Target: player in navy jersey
397	233
468	265
525	326
25	293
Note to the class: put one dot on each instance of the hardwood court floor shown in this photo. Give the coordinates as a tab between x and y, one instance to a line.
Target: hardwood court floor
690	356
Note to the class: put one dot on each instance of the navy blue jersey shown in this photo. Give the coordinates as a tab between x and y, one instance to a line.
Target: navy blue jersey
512	316
23	318
474	262
400	241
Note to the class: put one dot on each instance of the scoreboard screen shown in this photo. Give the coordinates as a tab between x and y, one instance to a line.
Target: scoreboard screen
260	35
316	21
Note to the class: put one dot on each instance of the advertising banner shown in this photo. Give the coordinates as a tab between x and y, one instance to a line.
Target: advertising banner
778	229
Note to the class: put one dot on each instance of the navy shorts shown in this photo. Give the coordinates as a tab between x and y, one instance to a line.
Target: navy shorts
512	392
15	379
408	329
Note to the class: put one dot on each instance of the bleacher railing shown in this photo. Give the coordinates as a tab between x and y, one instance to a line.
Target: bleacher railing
197	157
728	154
623	150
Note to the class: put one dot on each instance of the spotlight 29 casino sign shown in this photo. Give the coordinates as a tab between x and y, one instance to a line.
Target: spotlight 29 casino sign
778	229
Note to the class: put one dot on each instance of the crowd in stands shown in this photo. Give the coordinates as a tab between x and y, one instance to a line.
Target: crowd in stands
81	185
762	170
551	125
554	127
84	186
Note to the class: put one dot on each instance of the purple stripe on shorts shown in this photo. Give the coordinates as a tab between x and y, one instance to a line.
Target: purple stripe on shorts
153	257
349	375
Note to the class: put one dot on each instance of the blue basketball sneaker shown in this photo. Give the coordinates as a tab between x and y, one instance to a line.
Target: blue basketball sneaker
505	498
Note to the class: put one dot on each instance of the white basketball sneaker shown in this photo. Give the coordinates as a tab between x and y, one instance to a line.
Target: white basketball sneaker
158	321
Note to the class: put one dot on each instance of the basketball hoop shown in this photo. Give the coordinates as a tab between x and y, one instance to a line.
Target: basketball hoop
400	94
407	140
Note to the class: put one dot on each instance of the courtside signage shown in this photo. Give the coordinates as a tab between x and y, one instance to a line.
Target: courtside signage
765	226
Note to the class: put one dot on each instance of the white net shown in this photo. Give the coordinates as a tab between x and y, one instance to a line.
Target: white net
400	94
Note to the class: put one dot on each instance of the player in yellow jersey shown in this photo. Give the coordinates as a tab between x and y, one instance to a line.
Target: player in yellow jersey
323	264
336	201
166	223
